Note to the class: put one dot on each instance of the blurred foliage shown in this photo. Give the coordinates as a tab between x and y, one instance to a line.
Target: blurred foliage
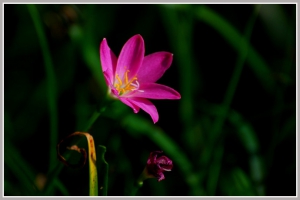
232	133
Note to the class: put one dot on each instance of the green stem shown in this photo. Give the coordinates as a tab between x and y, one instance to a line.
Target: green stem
138	183
92	120
136	187
51	83
98	112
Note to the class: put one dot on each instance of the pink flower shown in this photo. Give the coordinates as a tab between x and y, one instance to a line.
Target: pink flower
131	77
157	165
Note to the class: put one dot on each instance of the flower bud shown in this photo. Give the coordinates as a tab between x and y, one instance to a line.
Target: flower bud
156	165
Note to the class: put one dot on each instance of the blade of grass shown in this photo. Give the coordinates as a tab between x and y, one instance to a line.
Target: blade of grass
244	50
248	137
61	187
93	175
20	168
51	82
218	125
239	43
236	40
214	170
245	131
179	33
257	172
243	42
90	54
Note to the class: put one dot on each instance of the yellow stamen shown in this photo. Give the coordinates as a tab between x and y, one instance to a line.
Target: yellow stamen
120	81
126	77
126	85
117	86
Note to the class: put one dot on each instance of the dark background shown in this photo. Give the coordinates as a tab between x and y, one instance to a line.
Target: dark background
232	133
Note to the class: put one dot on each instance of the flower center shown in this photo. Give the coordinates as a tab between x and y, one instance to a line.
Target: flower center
124	86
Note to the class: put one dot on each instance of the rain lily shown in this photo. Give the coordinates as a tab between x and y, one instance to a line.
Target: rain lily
131	77
156	165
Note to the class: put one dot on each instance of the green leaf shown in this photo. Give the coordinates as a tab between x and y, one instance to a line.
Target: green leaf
235	39
90	54
179	31
20	168
103	170
214	171
93	175
239	43
245	132
236	183
61	187
51	82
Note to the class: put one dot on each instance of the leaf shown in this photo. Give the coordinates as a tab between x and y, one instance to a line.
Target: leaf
236	40
93	176
51	81
103	170
20	168
239	43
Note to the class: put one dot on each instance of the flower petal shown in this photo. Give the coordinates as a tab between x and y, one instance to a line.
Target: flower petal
152	157
108	60
154	66
166	167
112	90
155	91
165	163
160	177
131	56
147	106
129	103
108	78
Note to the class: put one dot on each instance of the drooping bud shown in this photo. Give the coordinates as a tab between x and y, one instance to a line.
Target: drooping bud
156	165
